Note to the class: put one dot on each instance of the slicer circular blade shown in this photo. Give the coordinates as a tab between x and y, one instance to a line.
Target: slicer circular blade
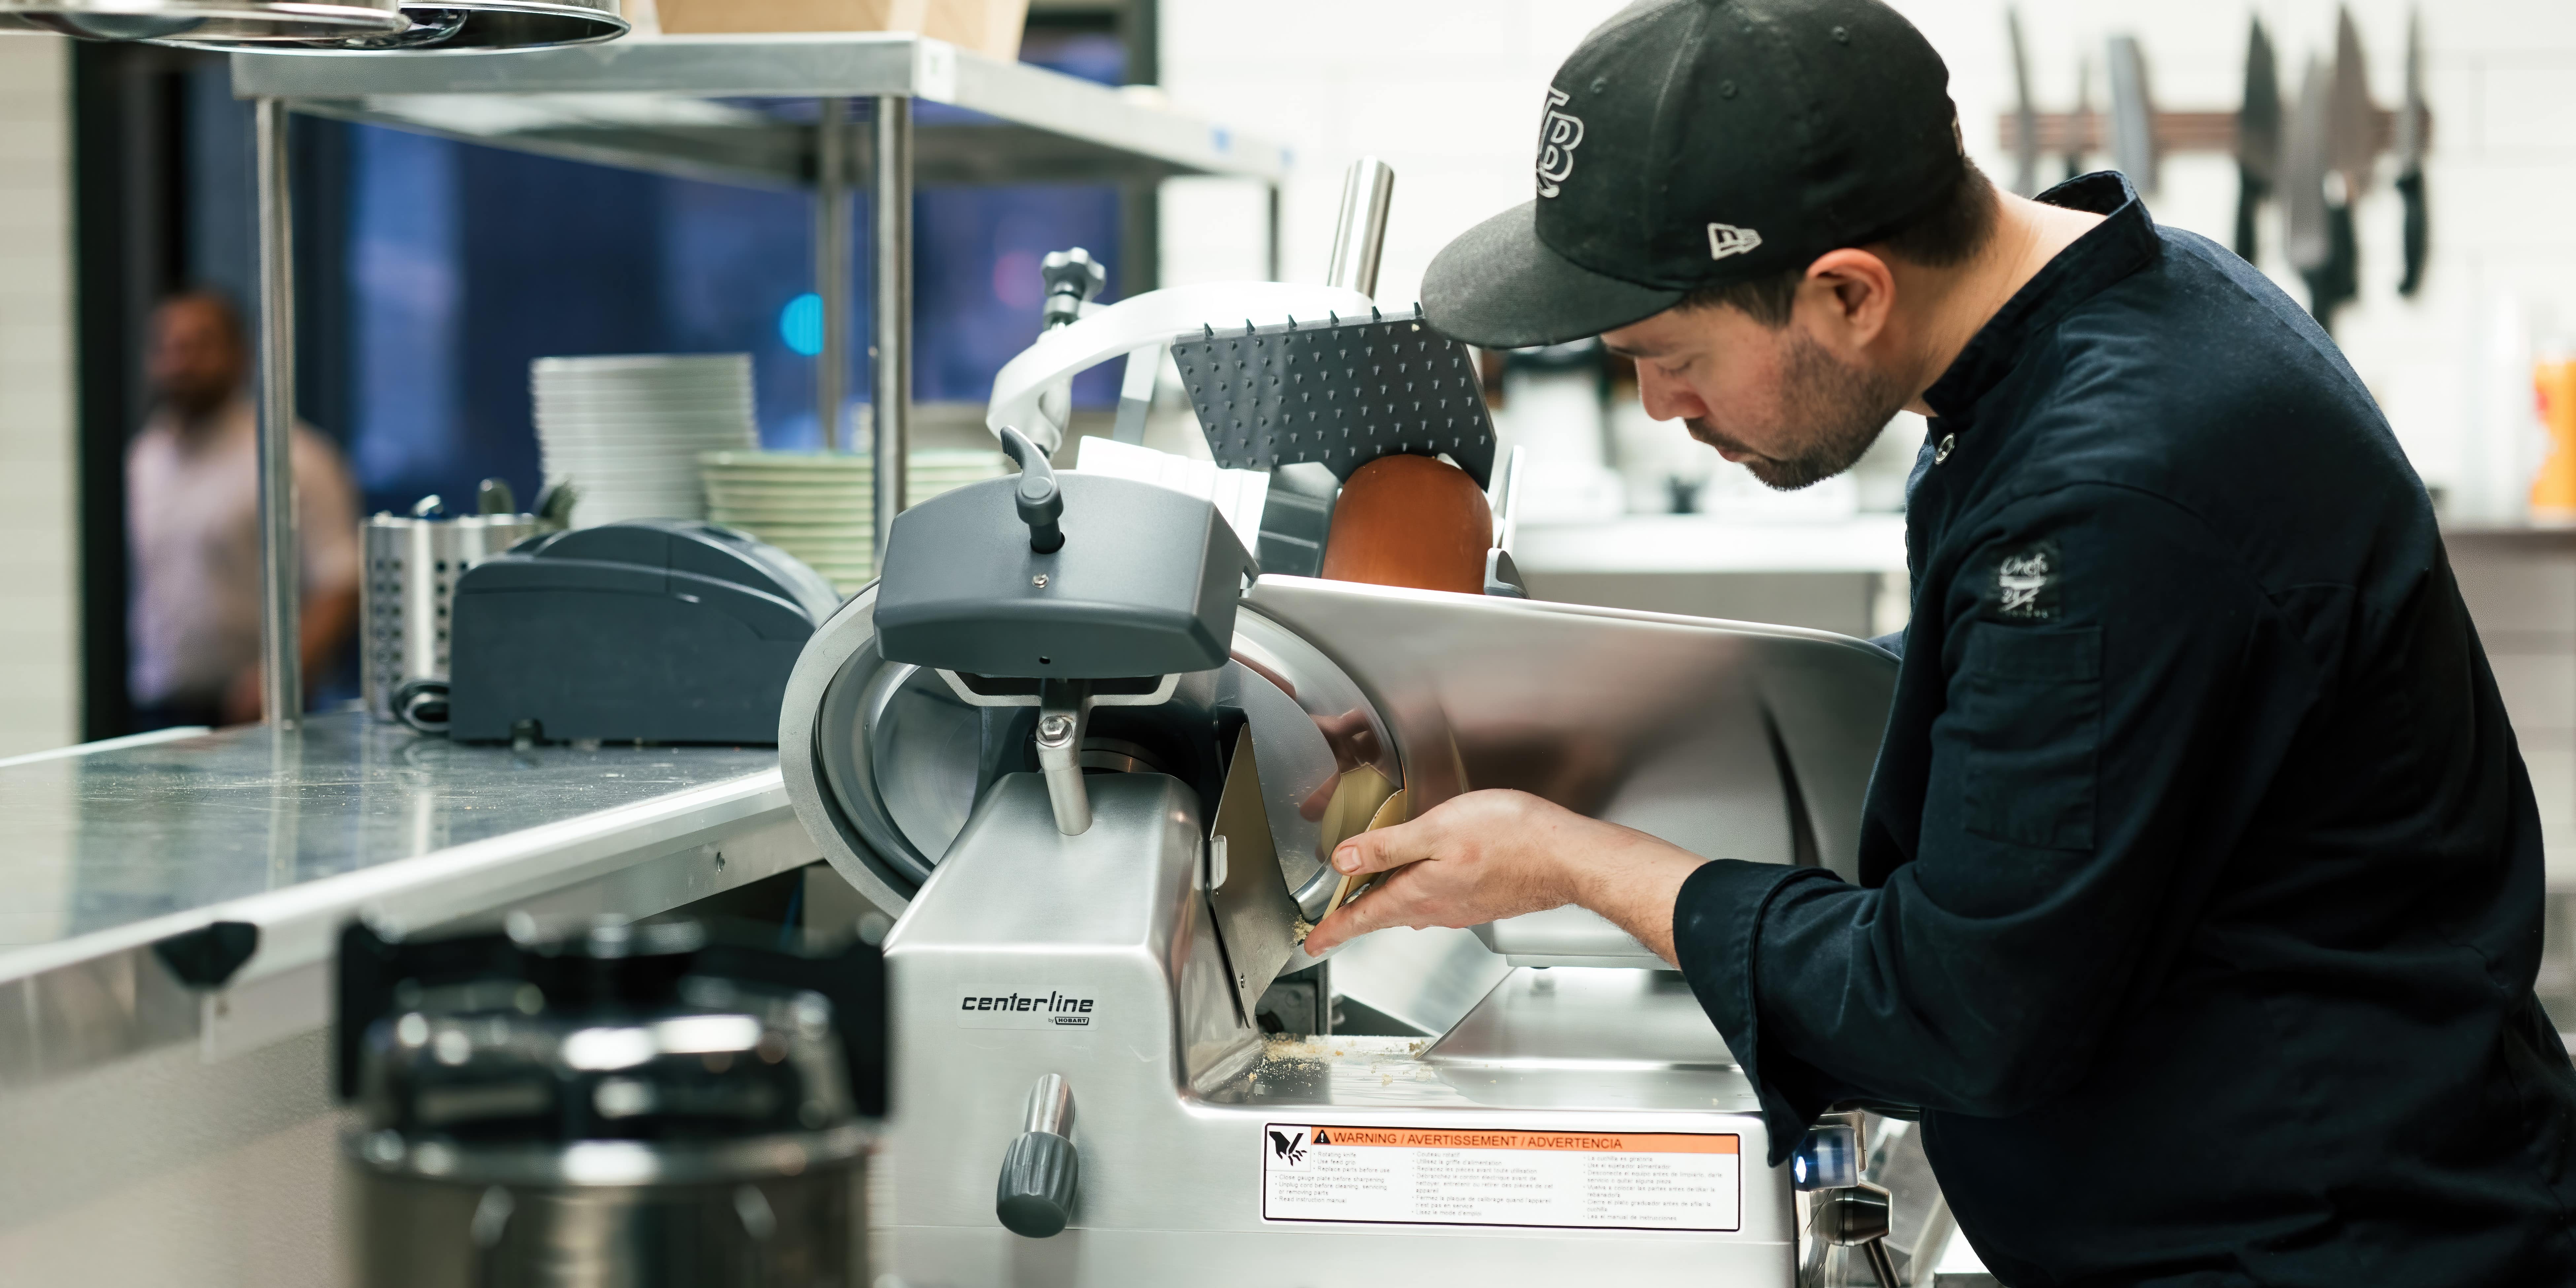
884	762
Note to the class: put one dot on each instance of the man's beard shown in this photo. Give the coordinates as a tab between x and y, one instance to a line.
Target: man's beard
195	401
1832	414
195	405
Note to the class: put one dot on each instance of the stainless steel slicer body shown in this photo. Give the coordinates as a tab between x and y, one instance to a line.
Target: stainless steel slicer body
1576	1125
1091	958
1095	769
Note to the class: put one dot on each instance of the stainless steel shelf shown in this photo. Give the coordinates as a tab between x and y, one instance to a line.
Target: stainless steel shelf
126	847
740	108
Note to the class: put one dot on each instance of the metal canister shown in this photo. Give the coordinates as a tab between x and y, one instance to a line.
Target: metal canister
410	584
615	1107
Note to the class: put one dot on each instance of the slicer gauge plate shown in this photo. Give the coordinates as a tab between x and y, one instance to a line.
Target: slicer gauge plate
1341	392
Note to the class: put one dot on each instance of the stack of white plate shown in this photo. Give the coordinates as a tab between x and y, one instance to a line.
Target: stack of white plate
627	431
822	509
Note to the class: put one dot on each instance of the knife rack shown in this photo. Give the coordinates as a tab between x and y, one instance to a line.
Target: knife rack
2089	132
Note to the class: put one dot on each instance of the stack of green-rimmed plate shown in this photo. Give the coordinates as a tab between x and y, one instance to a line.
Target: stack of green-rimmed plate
821	508
931	471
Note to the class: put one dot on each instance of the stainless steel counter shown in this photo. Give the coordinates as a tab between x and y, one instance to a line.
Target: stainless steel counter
114	852
165	1097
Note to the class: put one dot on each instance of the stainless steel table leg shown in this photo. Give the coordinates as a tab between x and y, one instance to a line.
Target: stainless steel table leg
832	212
281	568
893	284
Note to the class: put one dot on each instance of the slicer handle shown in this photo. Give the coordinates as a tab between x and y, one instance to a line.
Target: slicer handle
1040	1171
1039	499
1856	1216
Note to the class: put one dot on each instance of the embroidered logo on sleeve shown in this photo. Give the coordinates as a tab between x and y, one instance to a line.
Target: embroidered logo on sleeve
2026	582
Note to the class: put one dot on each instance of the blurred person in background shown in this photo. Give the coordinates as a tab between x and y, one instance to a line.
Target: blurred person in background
192	527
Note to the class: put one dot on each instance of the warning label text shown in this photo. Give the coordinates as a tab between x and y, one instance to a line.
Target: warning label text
1427	1176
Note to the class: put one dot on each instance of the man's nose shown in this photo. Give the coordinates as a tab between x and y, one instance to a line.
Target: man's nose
1666	398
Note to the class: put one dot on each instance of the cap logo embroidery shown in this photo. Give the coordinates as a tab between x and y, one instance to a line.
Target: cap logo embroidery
1558	136
1727	239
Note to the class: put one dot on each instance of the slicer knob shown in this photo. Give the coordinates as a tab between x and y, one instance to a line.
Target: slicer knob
1040	1171
1073	277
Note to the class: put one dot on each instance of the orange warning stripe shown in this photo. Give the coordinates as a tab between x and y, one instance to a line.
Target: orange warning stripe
1583	1141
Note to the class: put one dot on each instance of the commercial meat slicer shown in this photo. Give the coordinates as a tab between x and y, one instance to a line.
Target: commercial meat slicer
1093	759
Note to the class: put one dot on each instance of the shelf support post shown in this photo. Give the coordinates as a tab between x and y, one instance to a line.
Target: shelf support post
892	274
281	568
833	208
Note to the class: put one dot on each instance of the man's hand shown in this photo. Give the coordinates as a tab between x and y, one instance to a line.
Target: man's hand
1493	854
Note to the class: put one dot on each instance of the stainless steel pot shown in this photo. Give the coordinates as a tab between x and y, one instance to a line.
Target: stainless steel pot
748	1221
615	1107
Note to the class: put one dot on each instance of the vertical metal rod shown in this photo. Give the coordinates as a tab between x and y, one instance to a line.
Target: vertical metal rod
1272	250
833	208
1059	744
1050	1106
281	568
893	284
1359	236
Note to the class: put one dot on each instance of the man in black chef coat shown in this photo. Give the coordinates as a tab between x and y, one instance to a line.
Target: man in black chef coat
2200	875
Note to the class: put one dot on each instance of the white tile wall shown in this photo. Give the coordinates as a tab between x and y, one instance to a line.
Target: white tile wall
2522	594
39	586
1448	91
1445	90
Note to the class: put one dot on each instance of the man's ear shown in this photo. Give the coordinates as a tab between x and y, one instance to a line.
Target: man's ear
1847	299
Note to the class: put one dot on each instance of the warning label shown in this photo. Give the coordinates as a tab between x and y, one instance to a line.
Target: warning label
1568	1179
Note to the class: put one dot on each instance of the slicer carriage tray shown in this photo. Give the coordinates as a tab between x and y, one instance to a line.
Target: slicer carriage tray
1341	1071
1375	1074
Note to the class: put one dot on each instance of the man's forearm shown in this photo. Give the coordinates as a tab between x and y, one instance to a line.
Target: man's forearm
1492	854
1633	882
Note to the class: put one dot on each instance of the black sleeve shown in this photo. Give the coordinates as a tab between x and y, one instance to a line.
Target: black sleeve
2094	645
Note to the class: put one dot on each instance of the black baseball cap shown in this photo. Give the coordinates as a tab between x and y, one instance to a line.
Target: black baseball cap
1691	143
